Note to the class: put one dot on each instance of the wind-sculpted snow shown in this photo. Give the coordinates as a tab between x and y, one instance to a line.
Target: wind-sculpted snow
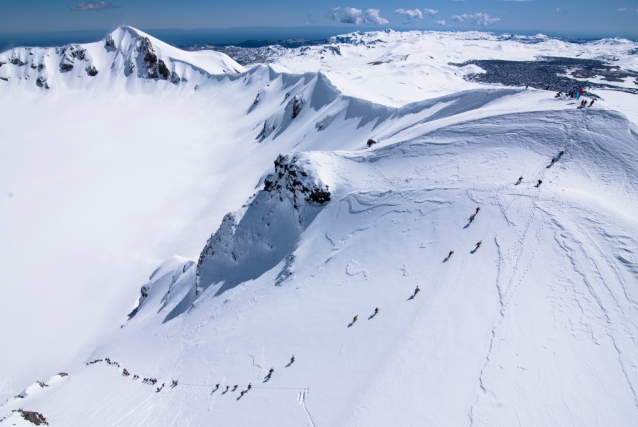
512	211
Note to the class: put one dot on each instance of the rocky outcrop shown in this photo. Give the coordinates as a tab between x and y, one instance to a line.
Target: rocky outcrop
147	52
17	61
109	43
91	70
291	177
33	417
69	54
42	82
265	232
155	68
297	105
163	69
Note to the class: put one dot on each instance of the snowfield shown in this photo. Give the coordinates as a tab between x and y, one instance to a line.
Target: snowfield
192	220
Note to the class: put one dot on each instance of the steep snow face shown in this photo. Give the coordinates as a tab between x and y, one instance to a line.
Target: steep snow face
125	52
529	327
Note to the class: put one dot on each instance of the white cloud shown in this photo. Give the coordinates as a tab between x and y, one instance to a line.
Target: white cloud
430	12
623	9
442	23
352	15
372	17
409	15
482	19
93	5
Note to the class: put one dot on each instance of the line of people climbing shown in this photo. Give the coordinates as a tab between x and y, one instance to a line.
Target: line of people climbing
175	383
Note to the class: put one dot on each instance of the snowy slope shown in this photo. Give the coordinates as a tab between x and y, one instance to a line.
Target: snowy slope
535	327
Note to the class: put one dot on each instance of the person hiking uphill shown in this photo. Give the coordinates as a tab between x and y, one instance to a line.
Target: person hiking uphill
478	244
520	179
292	360
416	291
450	254
539	183
354	319
376	311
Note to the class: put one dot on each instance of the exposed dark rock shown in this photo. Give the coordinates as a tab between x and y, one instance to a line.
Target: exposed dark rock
163	69
33	417
291	177
175	79
82	54
91	70
109	42
6	79
144	290
17	61
371	142
69	54
41	81
150	58
297	105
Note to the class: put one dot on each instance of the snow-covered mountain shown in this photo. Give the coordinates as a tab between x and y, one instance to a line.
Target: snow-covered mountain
126	51
296	206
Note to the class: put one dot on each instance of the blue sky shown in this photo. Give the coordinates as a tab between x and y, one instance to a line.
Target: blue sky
582	17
